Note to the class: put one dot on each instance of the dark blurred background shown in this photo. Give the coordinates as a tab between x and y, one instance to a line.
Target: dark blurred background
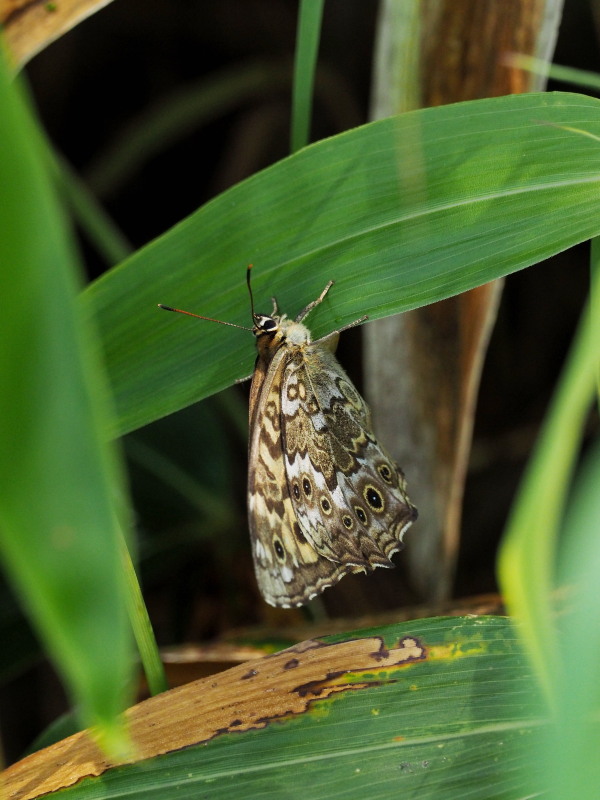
92	89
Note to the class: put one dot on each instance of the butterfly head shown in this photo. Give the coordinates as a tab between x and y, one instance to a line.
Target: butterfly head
268	334
273	332
265	325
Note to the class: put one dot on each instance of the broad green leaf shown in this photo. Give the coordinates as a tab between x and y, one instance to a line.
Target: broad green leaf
400	213
61	508
438	708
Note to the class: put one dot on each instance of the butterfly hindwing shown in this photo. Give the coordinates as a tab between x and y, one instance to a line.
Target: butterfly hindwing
346	492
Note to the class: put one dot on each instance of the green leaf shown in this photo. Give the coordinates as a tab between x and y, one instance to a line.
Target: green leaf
529	552
61	504
456	721
400	213
310	14
571	753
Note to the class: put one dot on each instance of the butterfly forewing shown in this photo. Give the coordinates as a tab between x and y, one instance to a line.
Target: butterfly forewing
287	566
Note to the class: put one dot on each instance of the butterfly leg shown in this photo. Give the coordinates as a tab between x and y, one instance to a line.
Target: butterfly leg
275	311
330	341
314	303
353	324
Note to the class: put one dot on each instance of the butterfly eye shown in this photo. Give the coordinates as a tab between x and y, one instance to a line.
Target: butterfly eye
373	498
263	324
385	472
360	513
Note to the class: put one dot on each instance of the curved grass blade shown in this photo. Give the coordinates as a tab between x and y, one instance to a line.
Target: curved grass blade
62	503
529	550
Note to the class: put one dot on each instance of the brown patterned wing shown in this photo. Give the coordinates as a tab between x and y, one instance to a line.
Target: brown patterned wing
348	497
289	570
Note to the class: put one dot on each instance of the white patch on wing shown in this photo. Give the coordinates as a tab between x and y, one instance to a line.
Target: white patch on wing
287	574
318	421
260	551
338	498
289	406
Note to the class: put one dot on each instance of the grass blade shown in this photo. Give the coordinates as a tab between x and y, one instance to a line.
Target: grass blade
62	502
310	14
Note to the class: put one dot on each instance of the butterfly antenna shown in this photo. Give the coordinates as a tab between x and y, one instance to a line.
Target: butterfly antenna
208	319
248	276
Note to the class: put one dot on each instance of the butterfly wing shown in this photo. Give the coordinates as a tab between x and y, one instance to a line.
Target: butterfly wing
289	570
348	497
324	499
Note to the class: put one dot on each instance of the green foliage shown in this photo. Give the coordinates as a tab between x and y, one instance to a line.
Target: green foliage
62	507
400	213
539	578
569	755
529	556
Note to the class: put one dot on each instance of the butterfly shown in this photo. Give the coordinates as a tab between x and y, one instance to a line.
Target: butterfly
324	498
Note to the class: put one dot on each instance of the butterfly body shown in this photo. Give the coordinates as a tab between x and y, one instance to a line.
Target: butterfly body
324	499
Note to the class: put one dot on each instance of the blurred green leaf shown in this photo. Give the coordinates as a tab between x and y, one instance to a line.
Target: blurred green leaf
558	72
529	552
571	753
61	504
400	213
